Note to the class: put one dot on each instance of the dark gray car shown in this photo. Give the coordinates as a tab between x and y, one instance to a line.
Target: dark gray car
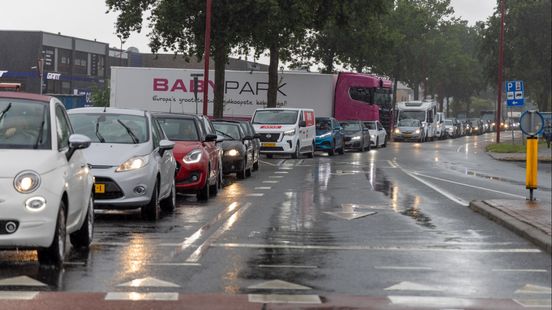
237	154
356	135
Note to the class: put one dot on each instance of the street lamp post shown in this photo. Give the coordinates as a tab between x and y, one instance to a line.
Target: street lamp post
500	62
121	50
206	56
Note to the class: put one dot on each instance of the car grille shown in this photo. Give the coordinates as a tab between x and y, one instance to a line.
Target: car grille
272	148
269	137
112	190
100	166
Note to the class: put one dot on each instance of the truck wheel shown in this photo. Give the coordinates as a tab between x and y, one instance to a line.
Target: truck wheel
83	237
297	153
55	253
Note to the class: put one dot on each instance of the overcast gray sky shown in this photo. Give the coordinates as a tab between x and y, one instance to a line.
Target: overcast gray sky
87	19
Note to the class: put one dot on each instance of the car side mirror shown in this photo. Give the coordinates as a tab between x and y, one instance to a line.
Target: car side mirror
302	124
210	138
165	145
77	142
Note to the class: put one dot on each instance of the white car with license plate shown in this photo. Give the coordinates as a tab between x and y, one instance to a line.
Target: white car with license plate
45	183
131	159
378	134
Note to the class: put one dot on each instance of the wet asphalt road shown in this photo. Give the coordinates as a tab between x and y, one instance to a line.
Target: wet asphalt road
389	222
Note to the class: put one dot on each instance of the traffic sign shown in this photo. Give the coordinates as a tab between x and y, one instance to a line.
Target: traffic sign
531	123
515	96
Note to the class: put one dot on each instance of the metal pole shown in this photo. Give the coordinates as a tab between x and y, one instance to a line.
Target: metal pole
500	62
41	64
206	56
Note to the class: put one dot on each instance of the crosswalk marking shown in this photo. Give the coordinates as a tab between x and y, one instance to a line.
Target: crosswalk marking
17	295
148	282
279	285
284	299
21	281
136	296
412	286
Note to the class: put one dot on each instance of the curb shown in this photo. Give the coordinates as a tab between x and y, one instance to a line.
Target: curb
511	157
529	232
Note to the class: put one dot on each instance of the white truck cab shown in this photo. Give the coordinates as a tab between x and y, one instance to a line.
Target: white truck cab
424	111
285	131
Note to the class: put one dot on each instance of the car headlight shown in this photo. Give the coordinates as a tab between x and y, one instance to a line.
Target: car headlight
417	131
26	182
397	131
289	132
133	164
232	152
373	137
355	138
476	128
327	134
193	157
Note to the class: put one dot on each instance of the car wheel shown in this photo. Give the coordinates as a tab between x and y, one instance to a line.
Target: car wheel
83	237
342	148
311	153
369	147
169	204
332	151
151	210
256	166
241	174
204	193
55	253
384	142
297	152
248	172
377	142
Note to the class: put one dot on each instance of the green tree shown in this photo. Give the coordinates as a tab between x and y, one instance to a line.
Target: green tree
179	25
100	96
527	48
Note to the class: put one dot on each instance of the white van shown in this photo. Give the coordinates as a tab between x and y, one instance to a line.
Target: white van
285	131
424	111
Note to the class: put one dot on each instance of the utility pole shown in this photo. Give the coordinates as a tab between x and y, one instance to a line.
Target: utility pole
500	71
206	56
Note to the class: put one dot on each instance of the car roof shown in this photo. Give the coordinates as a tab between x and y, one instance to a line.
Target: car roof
108	111
174	115
25	96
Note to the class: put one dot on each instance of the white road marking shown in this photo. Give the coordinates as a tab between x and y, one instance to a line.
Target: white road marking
460	147
534	289
267	163
285	168
135	296
288	266
412	286
17	295
520	270
421	301
263	188
281	172
534	303
280	162
271	182
350	215
275	176
393	165
255	195
368	248
279	285
402	268
439	190
148	282
173	264
201	250
284	299
468	185
21	281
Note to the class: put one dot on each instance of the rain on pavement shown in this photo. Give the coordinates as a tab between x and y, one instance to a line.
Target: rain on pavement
372	224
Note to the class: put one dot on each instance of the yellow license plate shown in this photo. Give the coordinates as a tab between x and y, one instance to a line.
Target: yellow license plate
269	144
99	188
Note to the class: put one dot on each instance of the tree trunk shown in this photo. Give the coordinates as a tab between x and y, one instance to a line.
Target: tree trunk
220	65
448	107
416	91
272	94
328	62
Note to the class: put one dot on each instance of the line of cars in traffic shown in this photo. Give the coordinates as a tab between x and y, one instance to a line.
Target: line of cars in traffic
58	166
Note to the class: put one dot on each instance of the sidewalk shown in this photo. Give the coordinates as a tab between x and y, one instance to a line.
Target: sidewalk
545	155
529	219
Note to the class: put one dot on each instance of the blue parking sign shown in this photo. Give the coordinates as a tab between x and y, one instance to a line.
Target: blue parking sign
515	93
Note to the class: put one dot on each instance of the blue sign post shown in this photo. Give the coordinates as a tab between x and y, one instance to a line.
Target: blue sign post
515	94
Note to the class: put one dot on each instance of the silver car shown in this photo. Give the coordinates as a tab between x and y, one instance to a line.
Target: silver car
45	183
130	158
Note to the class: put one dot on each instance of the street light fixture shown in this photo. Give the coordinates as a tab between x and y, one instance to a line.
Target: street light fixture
121	50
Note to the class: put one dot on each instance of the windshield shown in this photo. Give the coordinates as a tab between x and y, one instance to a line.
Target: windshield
419	115
228	131
448	122
24	125
179	129
111	128
323	124
370	125
409	123
283	117
351	126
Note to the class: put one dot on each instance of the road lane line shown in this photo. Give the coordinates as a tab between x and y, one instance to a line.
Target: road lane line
173	264
281	172
202	249
468	185
520	270
460	147
393	165
275	176
263	188
402	268
267	163
439	190
368	248
271	182
288	266
255	195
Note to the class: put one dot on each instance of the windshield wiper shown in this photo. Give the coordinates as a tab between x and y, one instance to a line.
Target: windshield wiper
102	140
5	111
130	133
225	134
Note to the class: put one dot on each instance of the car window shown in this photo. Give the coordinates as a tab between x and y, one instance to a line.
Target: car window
24	125
180	129
323	124
63	128
111	127
351	126
380	127
283	117
370	125
228	131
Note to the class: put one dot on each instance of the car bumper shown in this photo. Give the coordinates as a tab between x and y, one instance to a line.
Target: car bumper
34	228
353	144
406	137
191	177
323	144
122	187
287	146
232	165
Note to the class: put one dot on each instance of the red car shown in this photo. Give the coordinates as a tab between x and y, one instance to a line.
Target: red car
198	169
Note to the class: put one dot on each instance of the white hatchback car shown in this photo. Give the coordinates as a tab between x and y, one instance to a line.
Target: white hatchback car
45	184
131	159
378	134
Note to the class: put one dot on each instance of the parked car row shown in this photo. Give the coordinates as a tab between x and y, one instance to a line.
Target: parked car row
334	137
64	164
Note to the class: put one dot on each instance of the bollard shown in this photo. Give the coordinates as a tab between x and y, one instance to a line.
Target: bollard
531	165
